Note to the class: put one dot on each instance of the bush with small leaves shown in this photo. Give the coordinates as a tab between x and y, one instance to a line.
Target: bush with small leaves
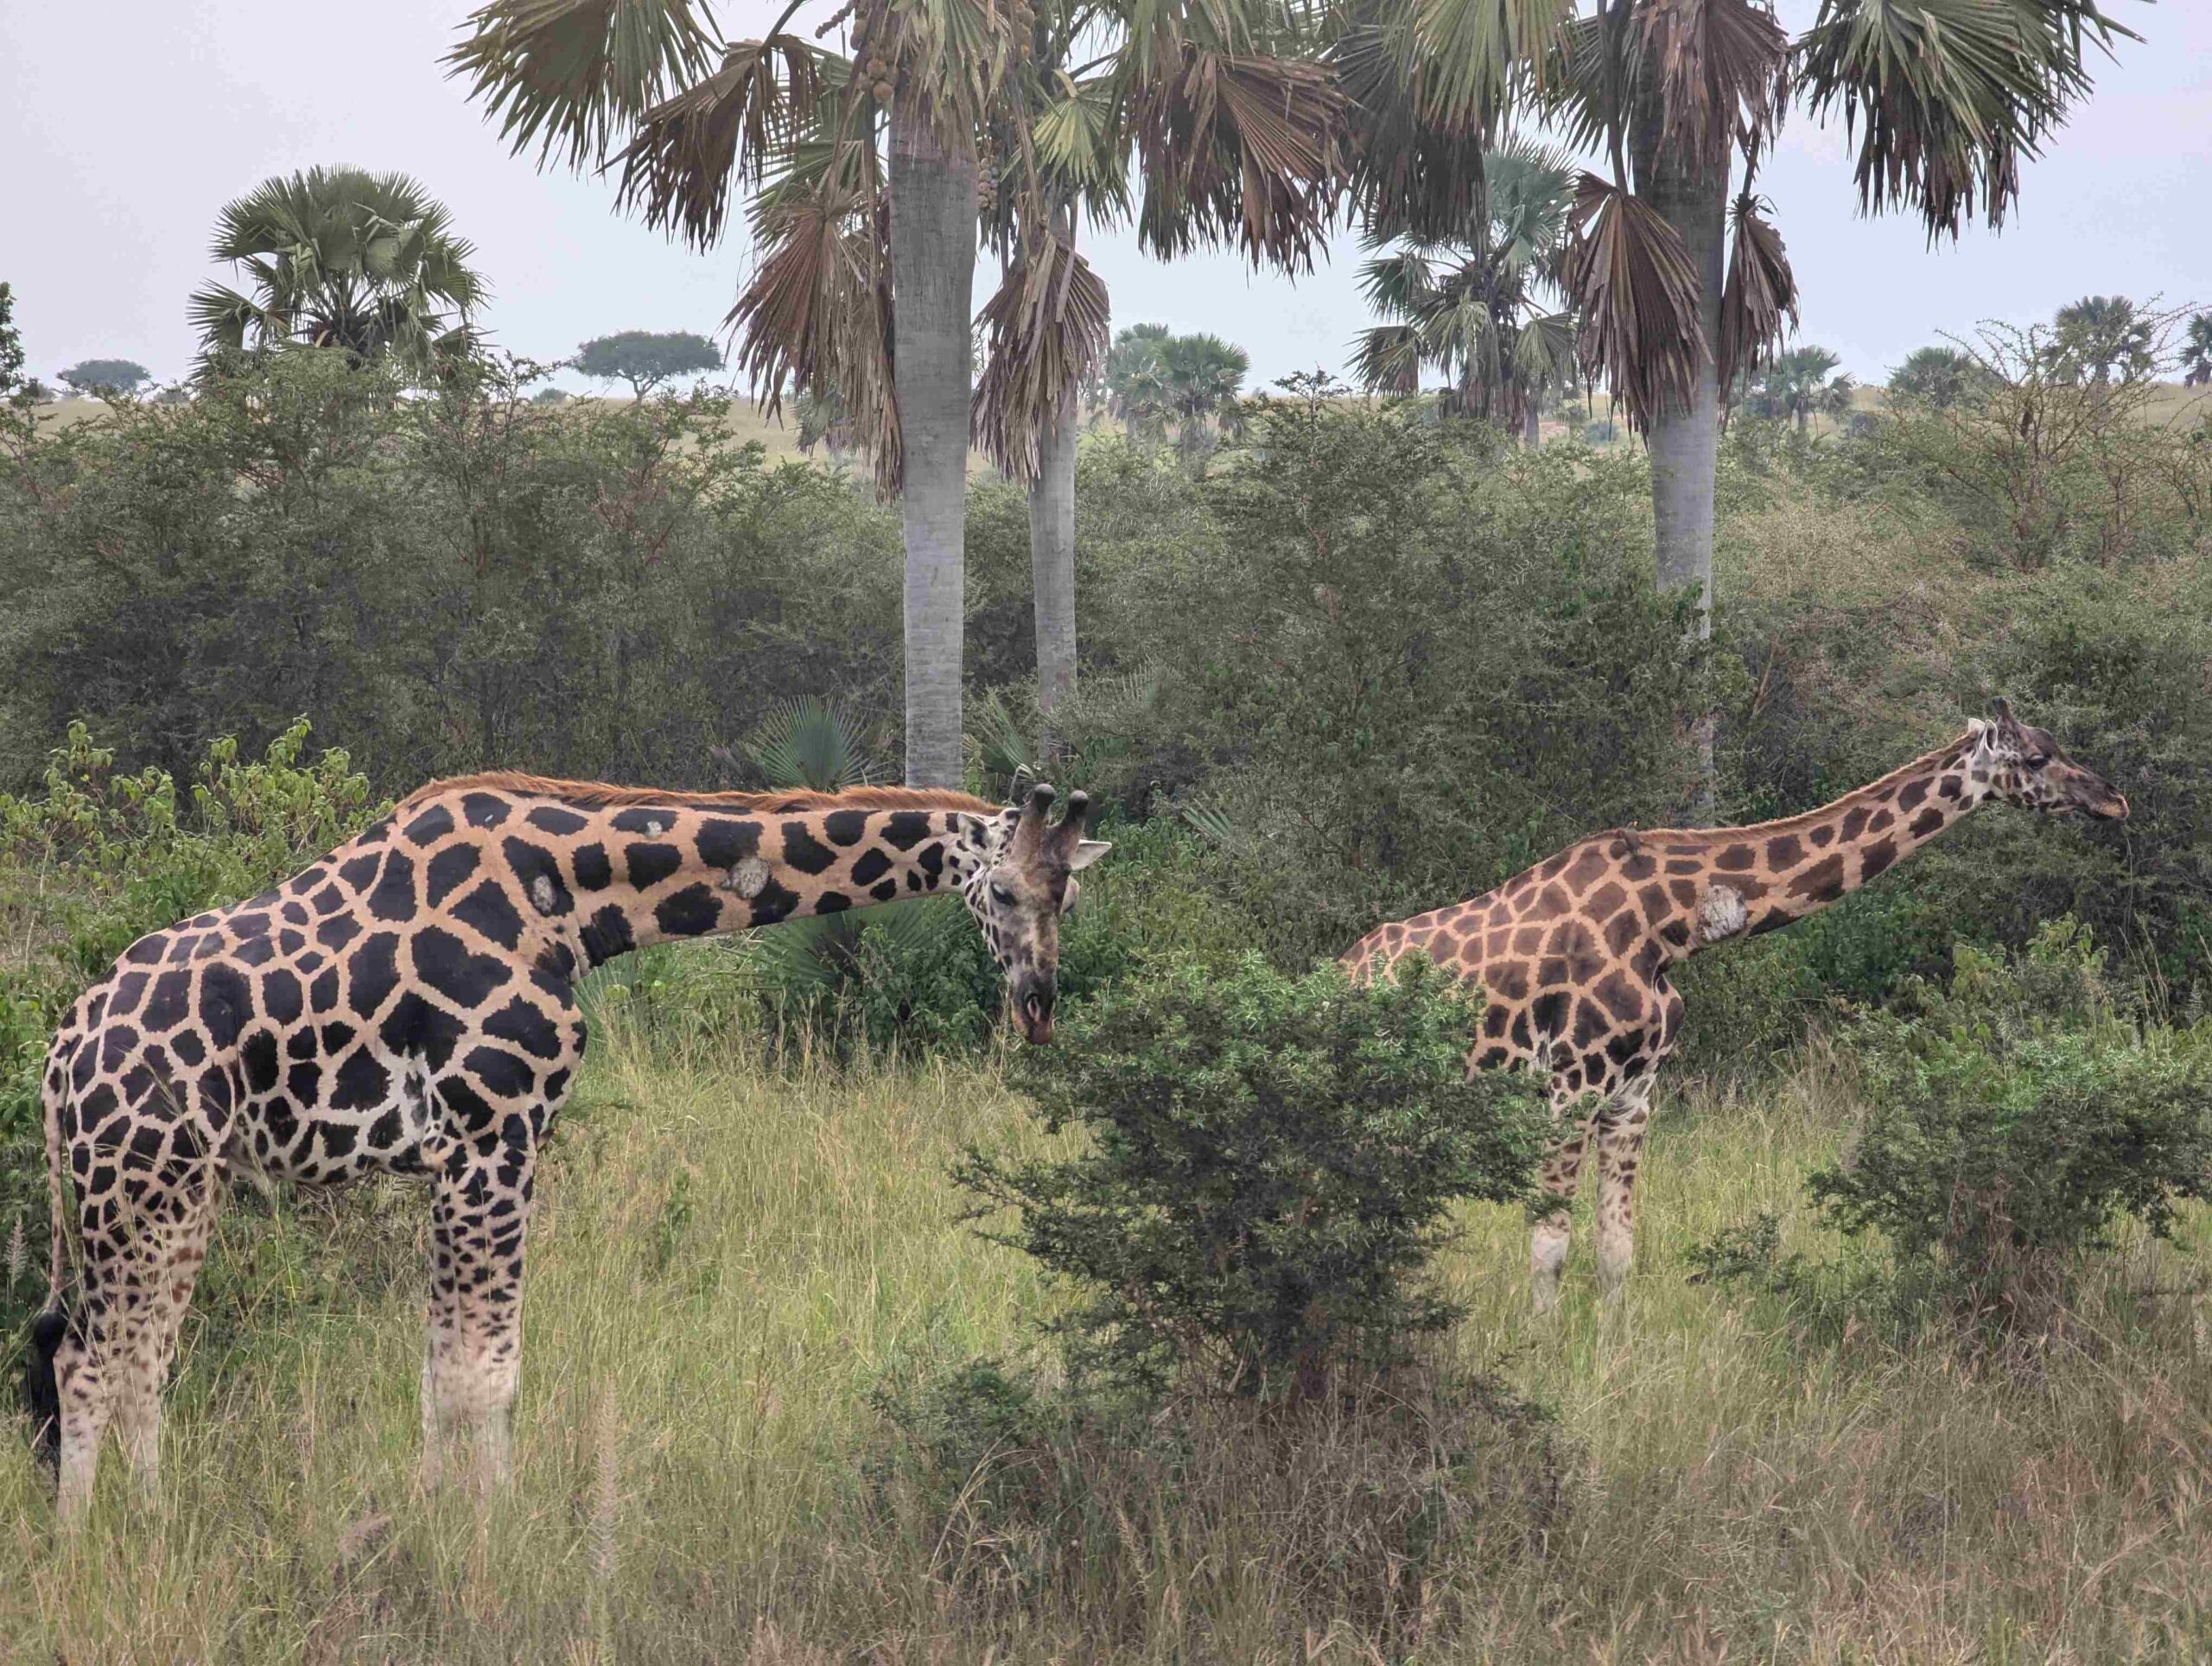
1273	1160
2016	1116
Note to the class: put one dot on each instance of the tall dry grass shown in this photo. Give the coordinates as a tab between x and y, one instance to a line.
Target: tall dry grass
726	1259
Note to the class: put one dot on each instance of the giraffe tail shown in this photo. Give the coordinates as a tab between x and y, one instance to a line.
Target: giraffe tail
42	1385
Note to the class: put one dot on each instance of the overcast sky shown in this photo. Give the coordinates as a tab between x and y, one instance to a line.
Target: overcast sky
123	129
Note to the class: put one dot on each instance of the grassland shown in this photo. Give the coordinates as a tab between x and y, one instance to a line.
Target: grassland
727	1259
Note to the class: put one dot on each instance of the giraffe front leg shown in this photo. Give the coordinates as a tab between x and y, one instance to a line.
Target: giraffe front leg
176	1247
1550	1237
479	1214
1620	1151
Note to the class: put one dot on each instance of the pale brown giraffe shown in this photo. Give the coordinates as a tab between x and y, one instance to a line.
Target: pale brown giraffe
1572	955
407	1005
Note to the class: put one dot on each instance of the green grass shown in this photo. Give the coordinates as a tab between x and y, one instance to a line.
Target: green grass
726	1259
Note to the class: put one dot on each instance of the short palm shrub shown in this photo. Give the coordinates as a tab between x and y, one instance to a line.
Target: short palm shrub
1273	1162
2017	1115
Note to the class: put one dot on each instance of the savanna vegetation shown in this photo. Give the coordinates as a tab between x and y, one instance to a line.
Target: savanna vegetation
1204	1334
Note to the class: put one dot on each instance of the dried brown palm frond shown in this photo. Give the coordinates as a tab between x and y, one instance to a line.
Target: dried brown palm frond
1721	67
678	166
817	312
567	75
1045	330
1636	291
1760	295
1237	148
1948	96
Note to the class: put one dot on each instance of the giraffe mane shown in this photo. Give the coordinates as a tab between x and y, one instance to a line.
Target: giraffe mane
1949	752
595	795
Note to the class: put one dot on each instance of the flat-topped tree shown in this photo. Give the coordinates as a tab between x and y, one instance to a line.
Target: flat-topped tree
647	359
106	375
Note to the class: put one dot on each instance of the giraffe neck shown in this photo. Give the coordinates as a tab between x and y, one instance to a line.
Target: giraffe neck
1741	881
598	881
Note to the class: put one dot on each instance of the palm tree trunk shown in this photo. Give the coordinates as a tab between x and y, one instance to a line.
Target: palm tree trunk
1051	569
1692	196
1529	420
933	275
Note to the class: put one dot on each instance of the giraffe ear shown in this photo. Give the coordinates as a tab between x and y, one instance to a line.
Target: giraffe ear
1087	851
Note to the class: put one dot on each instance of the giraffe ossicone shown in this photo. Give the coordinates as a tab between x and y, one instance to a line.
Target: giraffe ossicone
407	1005
1572	955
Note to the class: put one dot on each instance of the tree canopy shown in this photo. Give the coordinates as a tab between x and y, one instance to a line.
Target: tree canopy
342	258
106	375
646	359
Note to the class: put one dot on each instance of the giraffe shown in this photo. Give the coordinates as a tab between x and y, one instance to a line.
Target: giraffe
1572	955
407	1005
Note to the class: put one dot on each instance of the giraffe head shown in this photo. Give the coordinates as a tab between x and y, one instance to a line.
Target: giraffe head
2028	767
1018	893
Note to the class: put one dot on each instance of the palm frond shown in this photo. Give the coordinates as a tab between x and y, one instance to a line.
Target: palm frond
1636	290
1760	295
1409	176
1947	97
1387	359
679	166
1238	148
808	743
1721	70
567	75
818	312
1046	329
1475	53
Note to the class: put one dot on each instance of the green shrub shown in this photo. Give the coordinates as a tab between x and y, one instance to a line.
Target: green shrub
2016	1115
1272	1164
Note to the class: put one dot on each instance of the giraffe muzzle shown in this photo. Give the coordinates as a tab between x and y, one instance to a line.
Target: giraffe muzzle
1035	1007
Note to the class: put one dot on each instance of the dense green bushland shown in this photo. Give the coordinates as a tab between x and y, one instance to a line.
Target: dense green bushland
1371	662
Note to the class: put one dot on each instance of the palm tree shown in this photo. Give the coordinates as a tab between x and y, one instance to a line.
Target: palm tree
1471	305
2100	334
1204	377
878	155
1797	384
1937	378
340	257
1943	99
2196	352
1136	381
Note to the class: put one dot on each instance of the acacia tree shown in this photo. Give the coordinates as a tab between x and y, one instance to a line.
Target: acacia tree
645	359
106	375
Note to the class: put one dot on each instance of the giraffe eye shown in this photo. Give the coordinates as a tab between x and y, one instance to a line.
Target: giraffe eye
2038	761
1001	896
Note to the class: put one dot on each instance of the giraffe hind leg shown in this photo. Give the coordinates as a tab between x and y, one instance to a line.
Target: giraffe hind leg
1550	1237
1621	1128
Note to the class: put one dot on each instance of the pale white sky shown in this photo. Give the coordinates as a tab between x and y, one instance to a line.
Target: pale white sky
125	125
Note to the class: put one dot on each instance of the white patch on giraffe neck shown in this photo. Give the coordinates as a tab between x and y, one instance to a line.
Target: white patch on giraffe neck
542	893
654	828
1722	914
749	878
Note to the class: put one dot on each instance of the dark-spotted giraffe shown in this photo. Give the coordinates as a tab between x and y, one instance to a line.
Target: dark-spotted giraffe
1572	955
408	1004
